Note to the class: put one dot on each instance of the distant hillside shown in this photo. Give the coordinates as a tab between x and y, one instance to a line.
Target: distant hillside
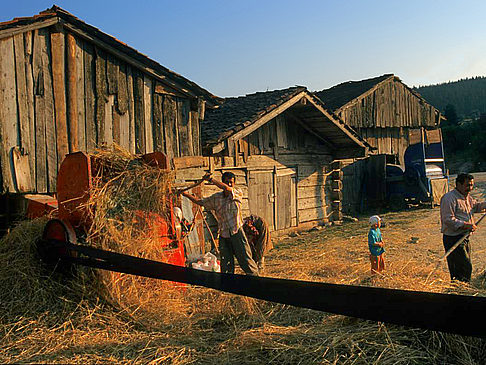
468	96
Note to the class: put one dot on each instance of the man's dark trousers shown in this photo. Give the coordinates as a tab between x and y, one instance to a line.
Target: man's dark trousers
459	260
236	245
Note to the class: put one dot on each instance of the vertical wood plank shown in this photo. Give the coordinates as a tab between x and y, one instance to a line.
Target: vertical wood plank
8	111
101	93
124	131
138	90
201	110
253	142
80	97
122	99
158	124
196	132
170	123
59	89
122	106
112	74
261	146
50	117
40	118
184	127
147	100
24	115
72	93
108	122
131	111
281	131
28	52
116	125
244	148
112	131
20	77
90	100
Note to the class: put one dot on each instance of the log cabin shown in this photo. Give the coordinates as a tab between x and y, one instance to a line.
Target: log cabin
388	115
282	146
66	86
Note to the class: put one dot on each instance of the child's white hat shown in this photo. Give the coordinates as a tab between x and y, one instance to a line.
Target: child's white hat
374	219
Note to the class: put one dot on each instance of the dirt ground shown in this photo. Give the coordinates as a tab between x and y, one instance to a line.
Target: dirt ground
339	254
45	321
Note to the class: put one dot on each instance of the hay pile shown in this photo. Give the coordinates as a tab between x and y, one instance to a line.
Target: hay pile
45	318
123	191
126	196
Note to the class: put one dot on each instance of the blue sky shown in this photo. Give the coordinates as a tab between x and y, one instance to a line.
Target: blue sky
233	47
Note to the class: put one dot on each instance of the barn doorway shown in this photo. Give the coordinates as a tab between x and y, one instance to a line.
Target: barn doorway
273	195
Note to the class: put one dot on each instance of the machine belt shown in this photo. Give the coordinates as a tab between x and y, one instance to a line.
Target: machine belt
459	314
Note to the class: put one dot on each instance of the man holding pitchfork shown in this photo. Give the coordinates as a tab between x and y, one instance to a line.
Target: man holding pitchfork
457	223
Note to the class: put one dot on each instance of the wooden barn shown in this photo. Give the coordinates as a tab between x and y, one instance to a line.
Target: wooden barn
282	146
382	110
388	115
66	86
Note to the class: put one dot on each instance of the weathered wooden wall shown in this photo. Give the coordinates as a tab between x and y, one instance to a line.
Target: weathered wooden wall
391	104
391	140
60	93
353	185
385	115
285	173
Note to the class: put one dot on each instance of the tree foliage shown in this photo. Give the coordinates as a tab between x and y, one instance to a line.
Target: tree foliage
465	141
467	95
450	114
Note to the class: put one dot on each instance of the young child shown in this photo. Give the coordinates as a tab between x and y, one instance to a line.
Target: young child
375	244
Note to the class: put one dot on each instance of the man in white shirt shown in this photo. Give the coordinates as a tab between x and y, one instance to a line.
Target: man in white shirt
456	216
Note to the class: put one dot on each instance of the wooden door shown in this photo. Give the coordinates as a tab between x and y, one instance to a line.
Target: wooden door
286	201
261	195
376	179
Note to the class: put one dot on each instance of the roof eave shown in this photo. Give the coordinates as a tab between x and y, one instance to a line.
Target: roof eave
229	137
337	122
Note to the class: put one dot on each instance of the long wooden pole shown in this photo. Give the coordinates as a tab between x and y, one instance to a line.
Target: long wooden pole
215	247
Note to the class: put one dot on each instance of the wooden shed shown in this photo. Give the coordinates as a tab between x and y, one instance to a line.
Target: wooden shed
281	145
382	110
387	114
66	86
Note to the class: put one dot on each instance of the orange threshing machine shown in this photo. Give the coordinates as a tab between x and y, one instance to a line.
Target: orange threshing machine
74	180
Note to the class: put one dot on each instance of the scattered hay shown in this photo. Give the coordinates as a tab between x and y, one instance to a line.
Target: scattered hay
65	321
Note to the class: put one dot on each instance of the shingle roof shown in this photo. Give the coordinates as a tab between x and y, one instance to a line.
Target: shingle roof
339	95
237	113
178	81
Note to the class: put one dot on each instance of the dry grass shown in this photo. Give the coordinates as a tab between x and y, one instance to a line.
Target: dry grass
50	319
